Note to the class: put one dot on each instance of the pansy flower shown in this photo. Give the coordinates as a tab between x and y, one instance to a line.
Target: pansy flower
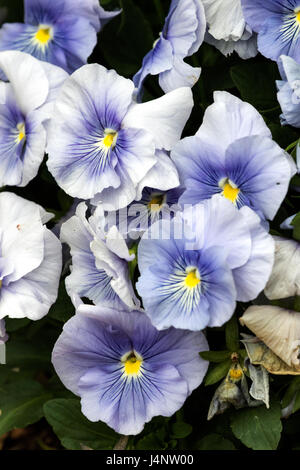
194	269
124	370
54	32
30	259
101	143
181	37
25	103
241	162
289	91
99	269
277	23
92	10
227	28
153	205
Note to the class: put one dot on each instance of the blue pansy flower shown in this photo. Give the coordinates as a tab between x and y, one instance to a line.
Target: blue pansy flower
181	37
289	91
125	371
92	10
99	269
194	269
25	103
102	144
244	165
54	32
154	204
277	23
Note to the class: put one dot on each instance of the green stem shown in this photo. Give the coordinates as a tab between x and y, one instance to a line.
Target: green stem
122	443
292	145
271	110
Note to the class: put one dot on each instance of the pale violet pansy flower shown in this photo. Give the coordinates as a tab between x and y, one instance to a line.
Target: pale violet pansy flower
62	32
277	23
289	91
26	102
91	10
124	370
181	37
153	204
194	269
99	269
285	277
156	197
102	144
233	154
227	29
30	259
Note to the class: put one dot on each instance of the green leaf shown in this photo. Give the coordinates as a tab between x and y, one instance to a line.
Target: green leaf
232	334
63	308
214	442
296	224
282	135
296	406
27	353
15	10
296	305
217	372
292	389
21	404
133	264
15	324
151	442
256	83
215	356
74	429
180	430
258	428
132	34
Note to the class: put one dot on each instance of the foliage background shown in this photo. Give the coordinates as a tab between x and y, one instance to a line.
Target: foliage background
30	391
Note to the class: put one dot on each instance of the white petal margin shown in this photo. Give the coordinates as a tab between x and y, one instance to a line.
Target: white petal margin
107	258
22	241
32	296
28	78
163	175
228	119
285	278
225	19
164	117
251	278
56	77
35	145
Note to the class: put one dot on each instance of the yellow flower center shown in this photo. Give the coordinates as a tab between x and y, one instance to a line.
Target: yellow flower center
43	35
132	363
192	279
21	135
235	373
297	16
230	193
156	202
108	140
